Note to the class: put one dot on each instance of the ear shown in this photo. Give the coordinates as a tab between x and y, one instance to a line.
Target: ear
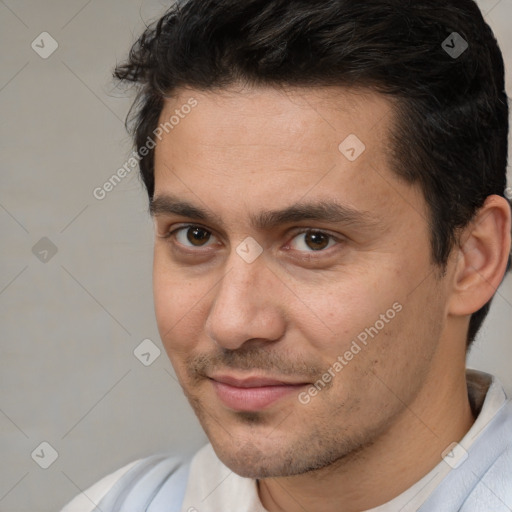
482	257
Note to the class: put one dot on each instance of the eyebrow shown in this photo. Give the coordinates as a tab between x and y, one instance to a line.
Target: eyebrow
324	211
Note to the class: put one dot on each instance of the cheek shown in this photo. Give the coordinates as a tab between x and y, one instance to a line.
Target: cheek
179	303
351	306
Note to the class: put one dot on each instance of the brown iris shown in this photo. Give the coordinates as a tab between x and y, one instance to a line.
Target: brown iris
197	236
316	240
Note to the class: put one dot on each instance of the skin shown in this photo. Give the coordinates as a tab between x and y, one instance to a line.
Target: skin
384	420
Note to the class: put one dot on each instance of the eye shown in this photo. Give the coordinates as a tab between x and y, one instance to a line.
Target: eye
192	236
312	240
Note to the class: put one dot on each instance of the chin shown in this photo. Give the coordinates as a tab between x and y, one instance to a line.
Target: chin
266	459
249	461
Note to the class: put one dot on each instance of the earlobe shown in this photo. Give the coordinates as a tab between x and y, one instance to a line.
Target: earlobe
483	254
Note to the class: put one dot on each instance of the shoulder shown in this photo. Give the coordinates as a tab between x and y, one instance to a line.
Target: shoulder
482	478
494	490
139	482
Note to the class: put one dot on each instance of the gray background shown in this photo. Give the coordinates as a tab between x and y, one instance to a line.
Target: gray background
70	324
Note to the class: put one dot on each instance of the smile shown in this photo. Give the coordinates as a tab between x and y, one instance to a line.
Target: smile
254	393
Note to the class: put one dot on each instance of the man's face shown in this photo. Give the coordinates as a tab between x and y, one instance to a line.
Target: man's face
343	275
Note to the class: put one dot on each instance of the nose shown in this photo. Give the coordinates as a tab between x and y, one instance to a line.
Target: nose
246	306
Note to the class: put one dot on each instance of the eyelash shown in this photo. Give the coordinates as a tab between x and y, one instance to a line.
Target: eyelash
172	234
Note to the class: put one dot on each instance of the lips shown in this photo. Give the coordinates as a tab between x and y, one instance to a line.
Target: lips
255	393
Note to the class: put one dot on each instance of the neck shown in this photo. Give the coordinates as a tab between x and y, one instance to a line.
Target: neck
407	451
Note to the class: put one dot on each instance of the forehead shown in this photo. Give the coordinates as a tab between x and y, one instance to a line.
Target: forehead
242	149
290	120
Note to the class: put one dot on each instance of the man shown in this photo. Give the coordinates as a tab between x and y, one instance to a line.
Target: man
327	181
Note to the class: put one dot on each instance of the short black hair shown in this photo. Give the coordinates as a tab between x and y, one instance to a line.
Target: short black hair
450	134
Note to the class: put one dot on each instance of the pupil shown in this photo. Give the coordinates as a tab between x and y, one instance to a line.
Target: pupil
197	235
317	241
